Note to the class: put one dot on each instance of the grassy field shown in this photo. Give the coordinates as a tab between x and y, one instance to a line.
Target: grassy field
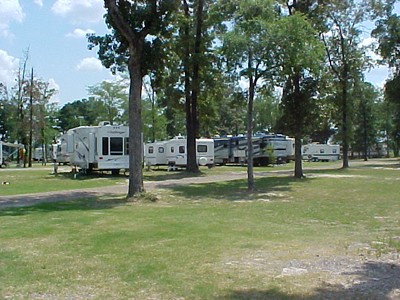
40	178
335	235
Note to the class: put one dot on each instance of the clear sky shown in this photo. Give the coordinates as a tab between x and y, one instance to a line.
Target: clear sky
54	31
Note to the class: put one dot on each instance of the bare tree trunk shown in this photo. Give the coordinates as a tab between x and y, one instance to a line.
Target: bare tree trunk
298	161
250	165
365	131
345	132
298	165
135	123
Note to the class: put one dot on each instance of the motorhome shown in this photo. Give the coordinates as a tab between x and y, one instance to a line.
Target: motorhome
275	148
173	153
102	148
267	149
321	152
234	150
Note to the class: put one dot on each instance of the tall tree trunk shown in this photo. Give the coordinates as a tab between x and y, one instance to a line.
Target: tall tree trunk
345	133
298	166
135	122
191	164
250	165
298	161
365	131
191	109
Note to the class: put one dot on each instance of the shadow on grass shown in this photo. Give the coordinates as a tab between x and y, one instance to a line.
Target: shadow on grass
83	177
163	174
83	201
266	188
373	281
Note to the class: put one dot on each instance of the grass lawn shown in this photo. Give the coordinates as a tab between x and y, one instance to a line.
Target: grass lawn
36	180
335	235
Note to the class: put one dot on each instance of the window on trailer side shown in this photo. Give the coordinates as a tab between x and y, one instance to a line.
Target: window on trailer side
116	146
105	145
202	148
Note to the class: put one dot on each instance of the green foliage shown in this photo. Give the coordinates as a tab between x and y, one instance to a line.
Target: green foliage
113	96
365	121
387	32
156	17
298	49
299	109
83	112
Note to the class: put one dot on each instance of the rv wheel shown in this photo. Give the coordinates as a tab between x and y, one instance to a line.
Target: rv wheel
115	172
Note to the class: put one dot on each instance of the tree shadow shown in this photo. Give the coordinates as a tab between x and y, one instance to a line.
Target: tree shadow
163	175
373	281
82	177
266	189
75	200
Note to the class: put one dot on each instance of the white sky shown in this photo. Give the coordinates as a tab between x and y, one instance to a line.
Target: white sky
54	32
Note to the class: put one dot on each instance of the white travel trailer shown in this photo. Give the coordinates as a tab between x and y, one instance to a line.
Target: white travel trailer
176	152
102	148
173	152
155	154
63	156
321	152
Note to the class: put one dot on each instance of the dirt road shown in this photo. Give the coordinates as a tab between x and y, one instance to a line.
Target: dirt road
121	189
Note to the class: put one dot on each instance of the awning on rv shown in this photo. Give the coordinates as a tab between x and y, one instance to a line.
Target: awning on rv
12	145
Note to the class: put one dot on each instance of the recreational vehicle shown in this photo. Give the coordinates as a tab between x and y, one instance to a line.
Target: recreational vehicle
63	156
222	151
174	152
234	150
102	148
7	150
275	148
155	154
40	155
321	152
267	148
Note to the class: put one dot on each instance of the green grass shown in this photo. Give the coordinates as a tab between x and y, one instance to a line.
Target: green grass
213	241
36	180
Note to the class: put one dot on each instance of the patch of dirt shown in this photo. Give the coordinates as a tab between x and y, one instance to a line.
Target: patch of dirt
325	276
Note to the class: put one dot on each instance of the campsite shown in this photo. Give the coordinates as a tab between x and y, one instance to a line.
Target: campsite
332	235
193	149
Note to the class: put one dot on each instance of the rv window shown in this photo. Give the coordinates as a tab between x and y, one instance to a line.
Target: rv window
116	146
181	149
172	149
333	150
126	146
322	151
151	149
105	145
201	148
160	149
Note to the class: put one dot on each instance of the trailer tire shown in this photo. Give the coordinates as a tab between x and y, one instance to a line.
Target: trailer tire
115	172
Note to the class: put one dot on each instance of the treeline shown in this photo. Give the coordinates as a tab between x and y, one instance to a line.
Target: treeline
205	67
